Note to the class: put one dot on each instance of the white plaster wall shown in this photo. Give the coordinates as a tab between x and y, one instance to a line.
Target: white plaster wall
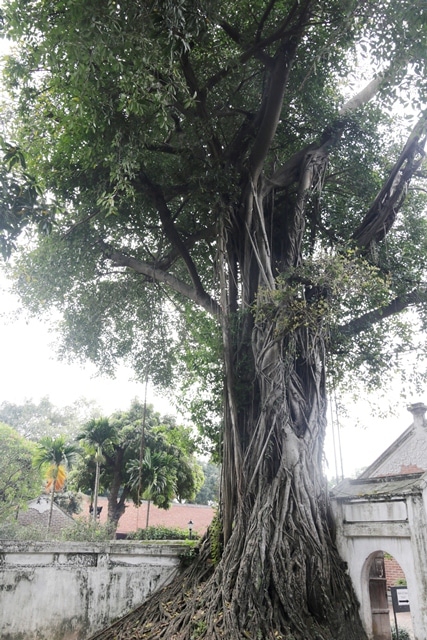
375	511
358	553
67	591
358	543
417	515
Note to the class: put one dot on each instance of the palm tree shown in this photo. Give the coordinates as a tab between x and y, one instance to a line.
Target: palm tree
156	476
55	456
97	433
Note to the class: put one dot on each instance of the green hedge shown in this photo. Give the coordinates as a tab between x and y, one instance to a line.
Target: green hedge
160	533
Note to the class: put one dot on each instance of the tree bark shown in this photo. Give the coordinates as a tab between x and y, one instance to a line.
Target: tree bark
269	567
96	489
117	500
280	575
52	498
148	513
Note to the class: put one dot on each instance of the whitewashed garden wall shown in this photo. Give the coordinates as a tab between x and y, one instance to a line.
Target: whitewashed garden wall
67	591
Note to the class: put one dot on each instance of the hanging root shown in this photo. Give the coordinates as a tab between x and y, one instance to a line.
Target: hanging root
168	612
276	580
279	575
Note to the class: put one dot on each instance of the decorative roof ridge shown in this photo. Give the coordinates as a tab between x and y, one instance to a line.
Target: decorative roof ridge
46	497
408	433
389	478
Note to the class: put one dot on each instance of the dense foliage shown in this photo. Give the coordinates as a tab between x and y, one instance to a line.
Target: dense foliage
19	481
229	188
209	491
157	139
140	456
159	532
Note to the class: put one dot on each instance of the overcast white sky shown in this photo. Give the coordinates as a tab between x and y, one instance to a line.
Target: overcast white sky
30	370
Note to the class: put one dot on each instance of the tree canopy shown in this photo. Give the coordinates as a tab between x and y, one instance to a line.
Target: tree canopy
138	455
19	481
35	420
141	176
230	186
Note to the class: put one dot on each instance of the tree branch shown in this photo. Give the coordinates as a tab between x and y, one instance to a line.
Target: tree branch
399	304
156	274
363	97
289	172
271	107
382	213
194	89
171	256
171	232
264	18
257	50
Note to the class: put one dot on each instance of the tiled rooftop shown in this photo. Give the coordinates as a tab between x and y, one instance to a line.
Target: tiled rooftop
37	515
178	515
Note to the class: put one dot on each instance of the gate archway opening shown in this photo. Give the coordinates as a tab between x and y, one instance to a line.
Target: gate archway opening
390	607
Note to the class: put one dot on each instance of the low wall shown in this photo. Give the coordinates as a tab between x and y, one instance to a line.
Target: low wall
69	590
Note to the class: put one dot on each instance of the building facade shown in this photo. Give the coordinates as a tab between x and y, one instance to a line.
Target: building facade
383	514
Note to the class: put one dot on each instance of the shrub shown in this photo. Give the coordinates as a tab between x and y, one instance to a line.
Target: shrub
160	533
403	634
12	530
88	531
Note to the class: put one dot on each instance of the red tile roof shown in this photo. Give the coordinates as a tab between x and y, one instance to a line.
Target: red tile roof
410	468
178	515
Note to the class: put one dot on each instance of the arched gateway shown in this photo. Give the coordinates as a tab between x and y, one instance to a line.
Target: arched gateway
382	511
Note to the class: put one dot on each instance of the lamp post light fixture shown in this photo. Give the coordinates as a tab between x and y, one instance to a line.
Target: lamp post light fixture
190	529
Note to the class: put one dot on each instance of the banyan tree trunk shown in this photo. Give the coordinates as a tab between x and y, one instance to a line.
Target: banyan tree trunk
279	575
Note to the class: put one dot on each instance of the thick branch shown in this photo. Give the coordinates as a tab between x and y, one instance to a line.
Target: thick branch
289	172
288	34
382	213
273	98
202	111
363	97
399	304
264	18
172	233
258	48
170	257
158	275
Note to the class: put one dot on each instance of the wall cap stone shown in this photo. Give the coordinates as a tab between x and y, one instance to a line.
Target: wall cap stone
137	547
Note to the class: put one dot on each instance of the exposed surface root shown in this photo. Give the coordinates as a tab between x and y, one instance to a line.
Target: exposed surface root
279	575
238	600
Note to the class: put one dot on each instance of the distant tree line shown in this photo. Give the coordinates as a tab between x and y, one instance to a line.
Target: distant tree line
132	455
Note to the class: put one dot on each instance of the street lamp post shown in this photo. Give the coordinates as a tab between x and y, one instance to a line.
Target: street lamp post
190	529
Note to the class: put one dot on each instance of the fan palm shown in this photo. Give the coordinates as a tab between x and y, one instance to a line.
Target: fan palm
54	456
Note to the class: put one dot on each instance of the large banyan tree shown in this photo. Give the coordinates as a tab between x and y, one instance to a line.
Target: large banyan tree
237	186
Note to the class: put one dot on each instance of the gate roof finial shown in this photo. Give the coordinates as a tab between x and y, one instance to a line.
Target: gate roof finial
418	410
